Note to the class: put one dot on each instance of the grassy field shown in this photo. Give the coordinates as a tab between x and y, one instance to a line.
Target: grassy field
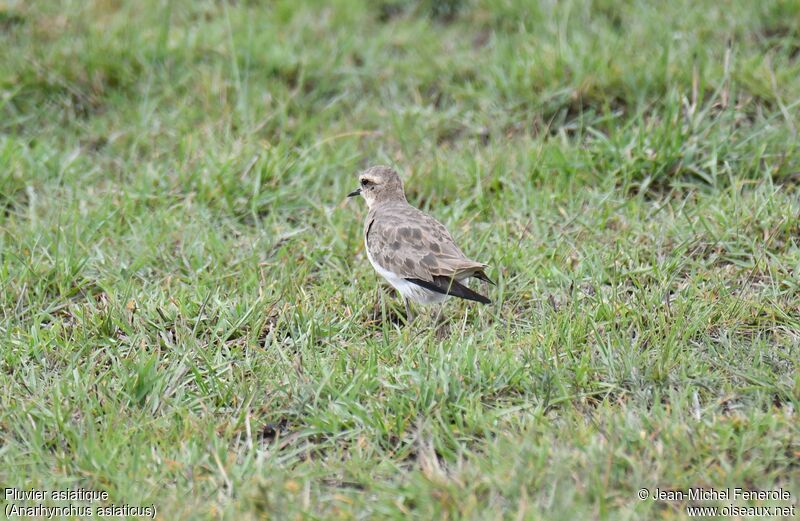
188	318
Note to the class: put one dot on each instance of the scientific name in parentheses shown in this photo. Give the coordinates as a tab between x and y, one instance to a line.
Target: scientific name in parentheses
720	494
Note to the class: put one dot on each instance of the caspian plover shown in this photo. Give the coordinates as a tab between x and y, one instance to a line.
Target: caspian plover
410	249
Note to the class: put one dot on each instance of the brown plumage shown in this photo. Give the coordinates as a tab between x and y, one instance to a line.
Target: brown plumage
411	249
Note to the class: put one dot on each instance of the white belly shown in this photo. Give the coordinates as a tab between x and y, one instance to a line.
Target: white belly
407	289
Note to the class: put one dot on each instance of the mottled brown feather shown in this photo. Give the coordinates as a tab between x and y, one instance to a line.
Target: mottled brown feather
412	244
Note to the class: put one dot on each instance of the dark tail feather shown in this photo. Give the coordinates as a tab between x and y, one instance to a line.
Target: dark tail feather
480	275
448	286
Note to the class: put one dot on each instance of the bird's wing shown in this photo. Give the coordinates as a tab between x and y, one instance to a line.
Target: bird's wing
450	286
414	245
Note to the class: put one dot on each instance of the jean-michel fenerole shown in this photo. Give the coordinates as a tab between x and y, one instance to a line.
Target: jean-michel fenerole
721	494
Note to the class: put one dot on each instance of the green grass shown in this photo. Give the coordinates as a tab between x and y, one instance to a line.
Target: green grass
188	318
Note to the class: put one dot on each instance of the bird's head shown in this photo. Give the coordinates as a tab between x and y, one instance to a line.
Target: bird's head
379	184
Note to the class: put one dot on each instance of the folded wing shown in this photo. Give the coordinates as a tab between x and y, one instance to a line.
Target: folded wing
418	248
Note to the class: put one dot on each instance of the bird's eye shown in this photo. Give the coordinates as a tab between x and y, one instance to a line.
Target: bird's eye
365	182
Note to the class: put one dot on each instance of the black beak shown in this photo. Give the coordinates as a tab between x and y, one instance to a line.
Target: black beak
354	193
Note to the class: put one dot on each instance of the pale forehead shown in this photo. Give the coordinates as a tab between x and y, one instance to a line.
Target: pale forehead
378	172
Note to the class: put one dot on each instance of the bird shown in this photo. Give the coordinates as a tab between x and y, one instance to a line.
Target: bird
410	249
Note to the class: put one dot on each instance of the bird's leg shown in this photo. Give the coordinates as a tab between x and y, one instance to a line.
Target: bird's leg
438	315
409	314
440	325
